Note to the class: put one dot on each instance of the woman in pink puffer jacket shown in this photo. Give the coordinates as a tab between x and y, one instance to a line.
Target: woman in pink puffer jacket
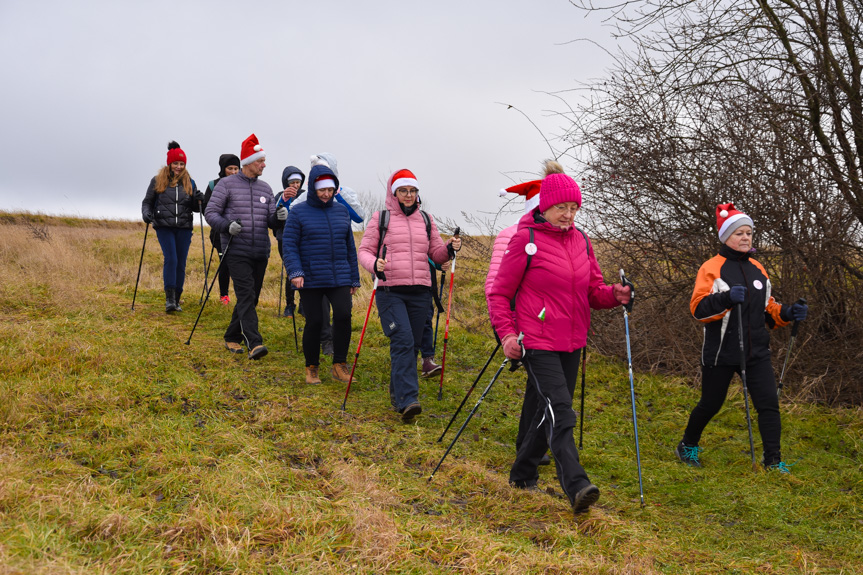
553	298
404	298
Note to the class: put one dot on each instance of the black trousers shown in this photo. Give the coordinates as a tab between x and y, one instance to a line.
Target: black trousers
312	300
761	382
528	409
553	375
248	275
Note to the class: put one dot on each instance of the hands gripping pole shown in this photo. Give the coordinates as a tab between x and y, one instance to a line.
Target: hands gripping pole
627	310
446	325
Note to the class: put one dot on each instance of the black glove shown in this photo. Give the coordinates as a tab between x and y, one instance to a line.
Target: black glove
199	197
737	294
799	311
148	218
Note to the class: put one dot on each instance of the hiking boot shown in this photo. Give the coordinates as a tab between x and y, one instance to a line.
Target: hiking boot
177	294
312	375
225	300
258	352
546	460
289	311
586	497
340	372
411	411
430	368
688	454
233	347
779	466
170	300
327	347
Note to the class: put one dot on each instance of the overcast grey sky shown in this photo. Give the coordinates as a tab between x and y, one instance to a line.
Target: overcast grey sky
94	90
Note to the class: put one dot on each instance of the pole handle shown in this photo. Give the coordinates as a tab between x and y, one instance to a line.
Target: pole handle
624	281
796	327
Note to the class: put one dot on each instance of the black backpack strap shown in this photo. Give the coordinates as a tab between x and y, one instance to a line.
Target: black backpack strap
427	221
586	241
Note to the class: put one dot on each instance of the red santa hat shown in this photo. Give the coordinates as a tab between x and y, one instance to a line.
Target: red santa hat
530	191
728	219
251	151
403	178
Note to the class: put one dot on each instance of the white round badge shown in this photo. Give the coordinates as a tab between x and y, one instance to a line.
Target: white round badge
757	284
263	200
530	249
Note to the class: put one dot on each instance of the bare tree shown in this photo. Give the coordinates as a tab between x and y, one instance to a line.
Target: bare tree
731	101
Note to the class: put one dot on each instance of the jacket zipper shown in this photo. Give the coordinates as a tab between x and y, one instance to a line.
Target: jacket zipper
332	244
252	204
176	205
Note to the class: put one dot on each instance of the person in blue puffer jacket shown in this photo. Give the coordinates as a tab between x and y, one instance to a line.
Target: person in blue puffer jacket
320	257
242	209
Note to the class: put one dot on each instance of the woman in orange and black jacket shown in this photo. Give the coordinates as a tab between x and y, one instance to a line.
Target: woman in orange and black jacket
730	278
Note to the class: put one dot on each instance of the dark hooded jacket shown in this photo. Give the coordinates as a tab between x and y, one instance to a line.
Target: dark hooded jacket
318	244
173	208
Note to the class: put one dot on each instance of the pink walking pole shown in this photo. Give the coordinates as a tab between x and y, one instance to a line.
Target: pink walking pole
446	327
363	333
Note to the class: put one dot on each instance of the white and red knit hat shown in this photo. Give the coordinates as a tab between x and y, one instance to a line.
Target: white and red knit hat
251	151
530	191
403	178
728	219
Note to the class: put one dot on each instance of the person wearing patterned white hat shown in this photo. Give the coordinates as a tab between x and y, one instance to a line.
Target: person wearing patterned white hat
242	208
725	281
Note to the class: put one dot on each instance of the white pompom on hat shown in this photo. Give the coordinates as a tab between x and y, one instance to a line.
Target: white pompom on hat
251	151
728	219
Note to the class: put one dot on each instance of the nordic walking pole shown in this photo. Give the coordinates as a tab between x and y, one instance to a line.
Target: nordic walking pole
794	330
581	414
281	277
437	318
457	411
135	295
215	277
203	242
207	274
446	326
743	379
627	309
378	275
514	364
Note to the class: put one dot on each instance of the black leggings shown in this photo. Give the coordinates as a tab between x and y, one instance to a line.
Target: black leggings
312	300
761	383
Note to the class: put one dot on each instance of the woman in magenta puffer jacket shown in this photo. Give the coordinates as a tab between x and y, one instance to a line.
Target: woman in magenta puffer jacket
553	297
403	299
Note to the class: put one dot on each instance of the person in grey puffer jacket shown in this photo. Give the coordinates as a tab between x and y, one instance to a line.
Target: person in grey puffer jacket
169	204
242	209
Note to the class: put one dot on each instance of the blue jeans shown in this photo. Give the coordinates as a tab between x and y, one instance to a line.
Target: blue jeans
175	247
427	344
403	316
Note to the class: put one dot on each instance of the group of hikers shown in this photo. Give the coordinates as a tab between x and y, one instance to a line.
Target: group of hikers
543	280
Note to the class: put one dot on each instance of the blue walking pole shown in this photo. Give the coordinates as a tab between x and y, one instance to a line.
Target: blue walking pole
627	310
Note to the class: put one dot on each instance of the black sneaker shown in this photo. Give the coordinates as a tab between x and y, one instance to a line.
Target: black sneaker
411	411
688	454
546	460
586	497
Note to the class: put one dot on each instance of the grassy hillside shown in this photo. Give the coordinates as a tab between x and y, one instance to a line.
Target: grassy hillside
122	450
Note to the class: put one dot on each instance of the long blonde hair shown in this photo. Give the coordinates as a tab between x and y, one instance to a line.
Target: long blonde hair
165	179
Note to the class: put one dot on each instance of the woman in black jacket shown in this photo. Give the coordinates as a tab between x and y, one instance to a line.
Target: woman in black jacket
169	204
